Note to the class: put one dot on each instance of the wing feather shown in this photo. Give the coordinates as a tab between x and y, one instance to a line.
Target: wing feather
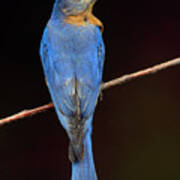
68	81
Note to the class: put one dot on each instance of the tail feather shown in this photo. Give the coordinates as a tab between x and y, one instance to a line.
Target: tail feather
76	152
83	168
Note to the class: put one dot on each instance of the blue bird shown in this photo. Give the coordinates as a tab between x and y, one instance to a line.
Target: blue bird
72	53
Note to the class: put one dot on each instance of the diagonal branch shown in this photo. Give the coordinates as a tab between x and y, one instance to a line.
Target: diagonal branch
129	77
107	85
25	113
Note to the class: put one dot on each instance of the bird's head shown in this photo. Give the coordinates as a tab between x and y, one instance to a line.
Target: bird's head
75	7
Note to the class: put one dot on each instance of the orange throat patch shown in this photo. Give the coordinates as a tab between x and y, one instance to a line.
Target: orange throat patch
84	18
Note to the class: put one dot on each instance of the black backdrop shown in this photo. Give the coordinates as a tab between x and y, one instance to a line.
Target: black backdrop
136	126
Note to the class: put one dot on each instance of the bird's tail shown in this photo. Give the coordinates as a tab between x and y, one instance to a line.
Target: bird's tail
83	165
76	152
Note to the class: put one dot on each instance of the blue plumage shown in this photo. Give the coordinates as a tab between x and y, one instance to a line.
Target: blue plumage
73	57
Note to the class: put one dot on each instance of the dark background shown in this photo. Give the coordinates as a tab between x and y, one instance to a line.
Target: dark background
136	126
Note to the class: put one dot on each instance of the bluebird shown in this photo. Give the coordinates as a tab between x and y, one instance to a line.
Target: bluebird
72	53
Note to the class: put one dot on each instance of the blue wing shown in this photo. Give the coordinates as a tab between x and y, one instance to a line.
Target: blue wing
73	62
73	59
